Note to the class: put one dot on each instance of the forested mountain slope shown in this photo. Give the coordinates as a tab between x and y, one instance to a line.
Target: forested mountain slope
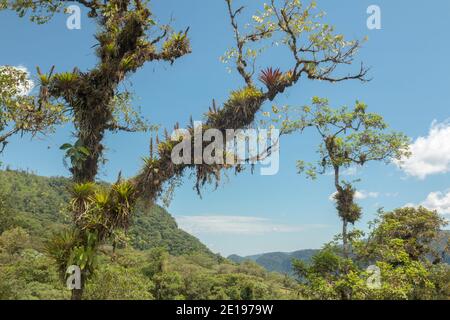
38	205
277	261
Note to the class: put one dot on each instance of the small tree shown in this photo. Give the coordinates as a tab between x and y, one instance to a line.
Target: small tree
349	137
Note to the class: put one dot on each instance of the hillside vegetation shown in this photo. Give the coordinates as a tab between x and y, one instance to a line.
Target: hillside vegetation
38	205
156	260
160	261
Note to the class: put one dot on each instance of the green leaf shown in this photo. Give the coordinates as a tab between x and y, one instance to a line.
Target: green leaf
65	146
84	151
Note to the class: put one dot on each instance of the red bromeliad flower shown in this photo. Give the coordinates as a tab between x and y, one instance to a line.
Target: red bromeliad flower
270	77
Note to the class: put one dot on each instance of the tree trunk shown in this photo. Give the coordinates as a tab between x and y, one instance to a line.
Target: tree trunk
338	186
345	293
87	170
77	294
345	249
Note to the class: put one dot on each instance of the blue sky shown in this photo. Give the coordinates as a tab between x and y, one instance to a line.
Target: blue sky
251	213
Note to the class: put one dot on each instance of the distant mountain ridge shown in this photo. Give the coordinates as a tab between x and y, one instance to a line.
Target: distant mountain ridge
277	261
282	261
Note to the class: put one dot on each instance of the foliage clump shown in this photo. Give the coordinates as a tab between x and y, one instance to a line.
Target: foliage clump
404	245
345	204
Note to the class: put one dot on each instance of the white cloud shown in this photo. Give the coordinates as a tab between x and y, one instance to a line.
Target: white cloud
392	194
352	171
360	195
439	201
430	154
366	194
236	225
25	87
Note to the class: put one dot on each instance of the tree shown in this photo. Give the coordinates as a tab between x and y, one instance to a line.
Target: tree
408	247
349	137
158	260
14	240
419	229
5	215
21	112
402	245
329	275
118	283
124	45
